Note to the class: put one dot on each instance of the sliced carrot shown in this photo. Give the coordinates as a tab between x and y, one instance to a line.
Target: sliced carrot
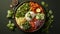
36	5
32	24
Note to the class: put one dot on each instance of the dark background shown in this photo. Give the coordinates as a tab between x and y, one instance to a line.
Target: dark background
53	4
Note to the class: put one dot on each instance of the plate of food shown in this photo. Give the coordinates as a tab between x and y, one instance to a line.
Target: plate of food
30	16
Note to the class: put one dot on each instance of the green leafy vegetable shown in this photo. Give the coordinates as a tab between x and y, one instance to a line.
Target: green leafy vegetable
26	25
39	16
22	10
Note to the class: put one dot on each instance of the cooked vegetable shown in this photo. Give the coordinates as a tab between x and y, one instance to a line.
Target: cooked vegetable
32	24
20	20
22	10
40	16
37	23
27	16
33	6
26	26
30	16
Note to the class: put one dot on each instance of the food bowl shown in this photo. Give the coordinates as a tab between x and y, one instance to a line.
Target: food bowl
29	16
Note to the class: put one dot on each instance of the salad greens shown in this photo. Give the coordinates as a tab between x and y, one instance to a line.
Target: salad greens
22	10
26	25
40	16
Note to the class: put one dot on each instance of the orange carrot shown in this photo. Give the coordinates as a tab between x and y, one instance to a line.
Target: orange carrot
34	6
